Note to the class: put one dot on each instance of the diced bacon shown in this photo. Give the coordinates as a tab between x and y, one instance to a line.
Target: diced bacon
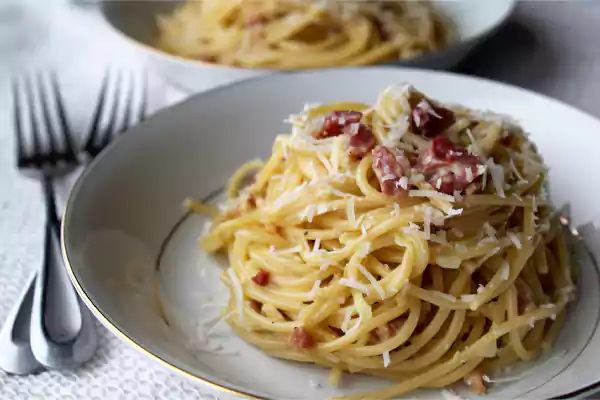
474	381
361	139
390	166
256	21
255	305
301	339
448	166
430	120
447	150
383	333
335	122
251	201
261	278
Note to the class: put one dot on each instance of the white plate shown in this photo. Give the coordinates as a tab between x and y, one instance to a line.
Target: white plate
121	216
134	20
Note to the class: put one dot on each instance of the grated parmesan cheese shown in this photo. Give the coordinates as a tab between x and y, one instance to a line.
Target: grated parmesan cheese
295	249
396	209
326	163
347	317
486	240
350	211
378	288
324	267
363	229
467	298
238	293
386	359
452	212
489	229
515	170
288	197
313	291
505	270
414	231
322	209
339	193
514	238
354	285
457	232
218	322
416	177
356	325
475	145
309	212
439	237
403	183
427	222
497	174
317	245
364	250
360	220
450	262
469	173
431	193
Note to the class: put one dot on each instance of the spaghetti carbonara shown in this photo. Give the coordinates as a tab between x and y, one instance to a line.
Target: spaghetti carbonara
295	34
409	240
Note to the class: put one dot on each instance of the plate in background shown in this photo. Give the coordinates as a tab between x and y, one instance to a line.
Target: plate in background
474	20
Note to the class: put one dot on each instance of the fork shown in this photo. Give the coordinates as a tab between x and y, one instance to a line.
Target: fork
134	111
61	332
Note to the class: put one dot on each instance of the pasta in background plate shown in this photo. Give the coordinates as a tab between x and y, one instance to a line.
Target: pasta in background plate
408	240
293	34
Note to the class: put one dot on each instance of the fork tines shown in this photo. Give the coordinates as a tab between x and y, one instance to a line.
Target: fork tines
121	104
43	136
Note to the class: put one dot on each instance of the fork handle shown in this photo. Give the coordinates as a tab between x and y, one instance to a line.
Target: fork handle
16	356
62	335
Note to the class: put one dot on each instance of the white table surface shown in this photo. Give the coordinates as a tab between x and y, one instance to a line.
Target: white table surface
550	47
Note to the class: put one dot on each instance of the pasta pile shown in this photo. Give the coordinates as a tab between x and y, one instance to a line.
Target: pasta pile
294	34
409	240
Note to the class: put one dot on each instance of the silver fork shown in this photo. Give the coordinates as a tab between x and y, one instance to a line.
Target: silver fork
59	332
134	111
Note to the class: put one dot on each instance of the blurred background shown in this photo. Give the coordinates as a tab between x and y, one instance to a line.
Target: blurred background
547	46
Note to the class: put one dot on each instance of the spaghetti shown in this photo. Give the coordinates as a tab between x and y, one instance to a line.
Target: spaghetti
292	34
409	240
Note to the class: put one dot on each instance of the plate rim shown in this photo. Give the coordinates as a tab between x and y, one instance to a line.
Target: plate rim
586	390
